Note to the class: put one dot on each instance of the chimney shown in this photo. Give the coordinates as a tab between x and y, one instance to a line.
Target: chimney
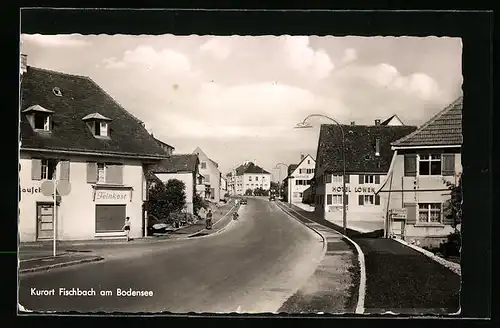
377	147
302	156
24	64
353	123
377	122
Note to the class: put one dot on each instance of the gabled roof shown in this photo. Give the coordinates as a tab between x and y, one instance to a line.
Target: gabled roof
37	108
360	141
444	129
390	119
179	163
295	166
292	168
163	143
96	116
199	151
80	97
250	168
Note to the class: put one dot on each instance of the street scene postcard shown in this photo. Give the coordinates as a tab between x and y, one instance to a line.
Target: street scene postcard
240	174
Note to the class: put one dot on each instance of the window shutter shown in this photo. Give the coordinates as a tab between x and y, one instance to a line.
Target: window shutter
410	165
36	169
361	179
114	174
377	199
377	179
328	178
447	220
411	216
361	200
346	199
64	170
91	172
448	164
329	199
347	178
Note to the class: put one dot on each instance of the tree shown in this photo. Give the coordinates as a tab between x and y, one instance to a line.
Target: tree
157	203
248	192
453	207
176	195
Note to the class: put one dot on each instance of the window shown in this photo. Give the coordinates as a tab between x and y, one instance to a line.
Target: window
368	199
101	173
48	169
256	178
308	161
207	178
110	218
337	179
333	199
429	212
249	178
369	179
203	165
42	121
101	128
429	164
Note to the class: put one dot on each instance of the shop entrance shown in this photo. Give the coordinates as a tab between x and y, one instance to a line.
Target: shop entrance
110	218
45	221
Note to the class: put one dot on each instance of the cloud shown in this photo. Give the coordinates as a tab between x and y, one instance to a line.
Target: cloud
350	55
301	57
59	40
219	47
162	61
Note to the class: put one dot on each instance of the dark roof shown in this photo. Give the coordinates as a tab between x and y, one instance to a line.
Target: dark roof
292	168
176	164
250	168
444	129
389	119
163	143
80	97
360	141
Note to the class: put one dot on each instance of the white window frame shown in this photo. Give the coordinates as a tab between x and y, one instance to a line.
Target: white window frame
104	169
429	210
44	169
368	200
429	161
336	199
337	179
103	128
46	122
369	179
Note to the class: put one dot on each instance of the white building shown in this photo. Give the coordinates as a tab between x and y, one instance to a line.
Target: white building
211	175
251	176
223	186
368	156
299	178
74	132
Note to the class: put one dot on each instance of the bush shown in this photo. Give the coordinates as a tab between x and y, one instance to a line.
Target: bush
260	192
199	203
249	192
166	198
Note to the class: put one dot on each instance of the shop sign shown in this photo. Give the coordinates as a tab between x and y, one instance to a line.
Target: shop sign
356	189
303	177
398	213
32	190
113	196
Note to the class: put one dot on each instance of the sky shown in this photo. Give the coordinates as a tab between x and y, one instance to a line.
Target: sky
239	97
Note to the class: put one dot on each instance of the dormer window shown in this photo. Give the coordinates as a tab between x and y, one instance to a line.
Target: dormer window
39	118
98	124
57	92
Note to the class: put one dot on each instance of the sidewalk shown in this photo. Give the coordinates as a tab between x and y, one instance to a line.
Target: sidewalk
400	279
47	263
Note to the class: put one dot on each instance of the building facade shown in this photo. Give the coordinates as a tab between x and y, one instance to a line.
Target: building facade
169	150
367	159
250	177
231	183
223	186
211	174
183	167
299	178
415	193
97	160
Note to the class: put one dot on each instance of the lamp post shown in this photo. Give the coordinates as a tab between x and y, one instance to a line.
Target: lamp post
305	125
279	178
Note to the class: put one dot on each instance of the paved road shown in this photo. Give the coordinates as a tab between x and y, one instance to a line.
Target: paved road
253	266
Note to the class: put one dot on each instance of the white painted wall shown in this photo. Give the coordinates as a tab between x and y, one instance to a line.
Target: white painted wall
293	188
249	181
76	213
189	183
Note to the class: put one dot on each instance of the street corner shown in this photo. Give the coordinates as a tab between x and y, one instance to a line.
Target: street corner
47	263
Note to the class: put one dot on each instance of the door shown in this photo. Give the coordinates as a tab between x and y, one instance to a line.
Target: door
45	221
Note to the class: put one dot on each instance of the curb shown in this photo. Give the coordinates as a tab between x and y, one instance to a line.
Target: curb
360	307
455	267
204	229
42	258
61	265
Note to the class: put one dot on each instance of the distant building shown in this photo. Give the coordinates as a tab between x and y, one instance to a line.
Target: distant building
422	162
183	167
211	174
223	186
73	131
169	150
251	176
298	179
368	156
394	120
231	182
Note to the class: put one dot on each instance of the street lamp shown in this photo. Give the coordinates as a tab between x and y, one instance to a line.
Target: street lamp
279	178
305	125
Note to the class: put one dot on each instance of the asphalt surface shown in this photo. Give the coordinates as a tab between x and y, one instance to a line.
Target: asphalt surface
400	279
253	266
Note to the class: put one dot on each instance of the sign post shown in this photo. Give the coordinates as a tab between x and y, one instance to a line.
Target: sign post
52	188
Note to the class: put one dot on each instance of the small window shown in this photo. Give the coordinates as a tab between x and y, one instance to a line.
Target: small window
101	173
203	165
369	179
101	128
250	178
429	212
49	169
57	91
42	121
256	178
369	200
429	164
308	161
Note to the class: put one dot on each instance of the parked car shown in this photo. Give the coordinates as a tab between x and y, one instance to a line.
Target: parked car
272	198
243	201
156	225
